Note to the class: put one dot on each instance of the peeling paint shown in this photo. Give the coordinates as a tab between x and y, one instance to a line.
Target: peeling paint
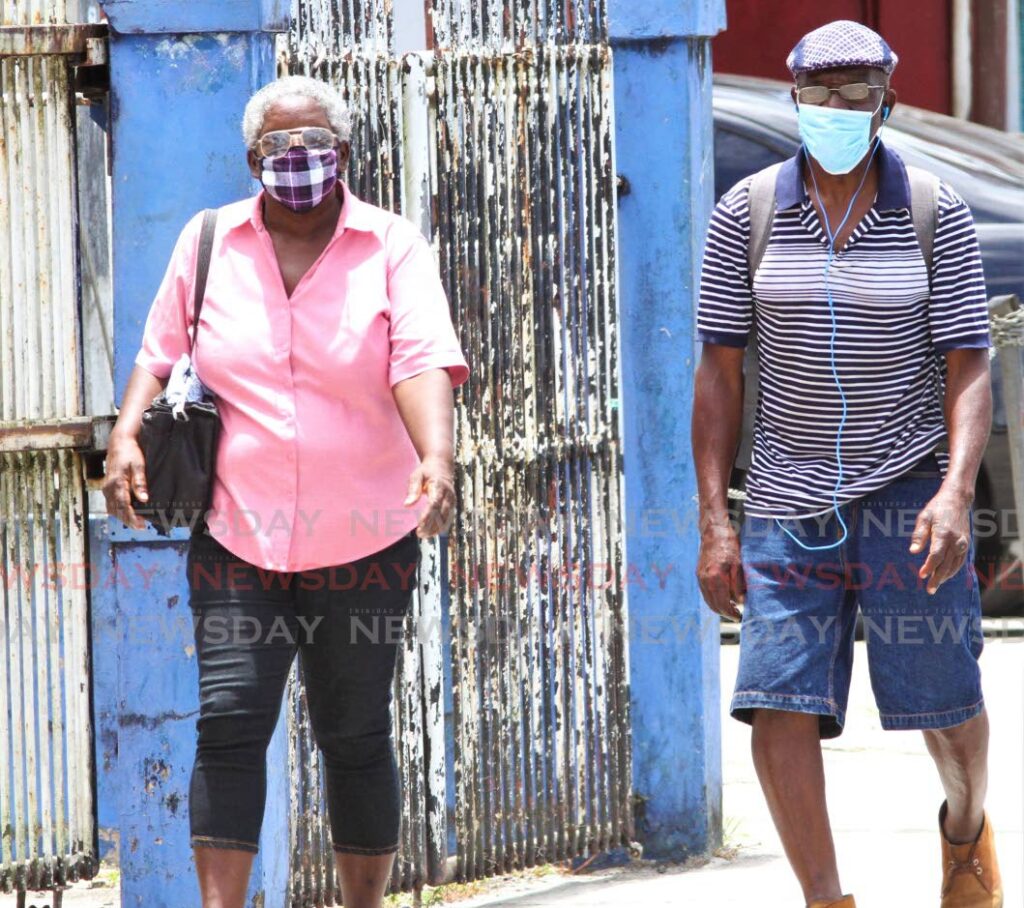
125	719
154	774
173	801
500	144
178	48
202	71
526	228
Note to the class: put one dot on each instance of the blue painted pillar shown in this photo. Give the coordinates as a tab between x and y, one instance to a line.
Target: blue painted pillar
181	73
664	151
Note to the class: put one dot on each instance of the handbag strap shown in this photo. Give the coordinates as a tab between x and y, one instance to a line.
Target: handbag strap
202	269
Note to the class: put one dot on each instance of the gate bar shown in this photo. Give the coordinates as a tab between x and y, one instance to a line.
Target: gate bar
79	432
48	40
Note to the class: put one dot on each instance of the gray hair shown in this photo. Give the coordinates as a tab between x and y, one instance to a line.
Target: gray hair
329	99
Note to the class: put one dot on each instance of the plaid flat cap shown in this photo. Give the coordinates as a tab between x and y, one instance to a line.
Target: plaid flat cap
841	43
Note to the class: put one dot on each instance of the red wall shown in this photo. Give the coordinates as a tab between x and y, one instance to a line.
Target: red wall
761	33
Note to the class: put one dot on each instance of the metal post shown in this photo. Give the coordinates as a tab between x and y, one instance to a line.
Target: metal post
180	76
664	141
416	204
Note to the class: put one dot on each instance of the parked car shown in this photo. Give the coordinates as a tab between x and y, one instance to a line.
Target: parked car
755	126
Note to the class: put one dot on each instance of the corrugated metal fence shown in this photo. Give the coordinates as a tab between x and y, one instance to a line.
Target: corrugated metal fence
499	143
47	828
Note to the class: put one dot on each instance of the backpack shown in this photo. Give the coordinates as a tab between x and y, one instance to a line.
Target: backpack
924	210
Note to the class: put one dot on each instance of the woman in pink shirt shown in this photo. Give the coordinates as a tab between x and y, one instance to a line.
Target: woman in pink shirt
327	339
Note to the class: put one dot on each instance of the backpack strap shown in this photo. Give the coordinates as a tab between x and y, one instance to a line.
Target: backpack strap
924	211
762	214
203	256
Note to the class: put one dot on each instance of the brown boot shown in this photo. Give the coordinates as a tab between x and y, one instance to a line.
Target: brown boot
845	902
970	873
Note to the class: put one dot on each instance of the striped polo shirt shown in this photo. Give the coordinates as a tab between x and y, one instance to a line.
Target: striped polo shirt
890	337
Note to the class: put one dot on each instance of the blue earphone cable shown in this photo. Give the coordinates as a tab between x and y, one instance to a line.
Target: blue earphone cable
832	356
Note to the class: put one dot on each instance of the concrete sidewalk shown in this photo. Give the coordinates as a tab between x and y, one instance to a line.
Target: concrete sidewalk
884	797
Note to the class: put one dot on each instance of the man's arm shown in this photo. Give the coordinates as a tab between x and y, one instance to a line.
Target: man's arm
945	520
717	423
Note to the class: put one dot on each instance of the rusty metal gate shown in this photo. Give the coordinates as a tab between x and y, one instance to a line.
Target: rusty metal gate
47	822
498	142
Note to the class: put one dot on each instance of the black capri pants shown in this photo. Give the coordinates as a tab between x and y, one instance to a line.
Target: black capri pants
346	622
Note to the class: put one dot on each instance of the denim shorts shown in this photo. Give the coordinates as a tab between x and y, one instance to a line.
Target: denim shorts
799	623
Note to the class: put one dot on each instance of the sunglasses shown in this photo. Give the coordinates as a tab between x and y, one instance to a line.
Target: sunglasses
277	143
819	94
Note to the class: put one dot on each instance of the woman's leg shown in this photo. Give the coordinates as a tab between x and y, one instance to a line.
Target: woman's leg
223	876
246	635
364	878
356	622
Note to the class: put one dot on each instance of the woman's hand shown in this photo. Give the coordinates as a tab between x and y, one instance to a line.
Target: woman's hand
125	475
126	467
427	408
433	478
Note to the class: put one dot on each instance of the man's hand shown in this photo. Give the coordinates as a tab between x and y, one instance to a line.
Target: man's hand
433	478
125	474
720	571
945	521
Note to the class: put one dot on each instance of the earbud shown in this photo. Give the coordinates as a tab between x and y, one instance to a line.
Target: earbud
885	113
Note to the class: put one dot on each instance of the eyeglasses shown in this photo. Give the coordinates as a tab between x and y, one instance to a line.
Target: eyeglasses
277	143
819	94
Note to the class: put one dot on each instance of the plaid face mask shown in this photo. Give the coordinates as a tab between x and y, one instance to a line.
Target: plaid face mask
301	179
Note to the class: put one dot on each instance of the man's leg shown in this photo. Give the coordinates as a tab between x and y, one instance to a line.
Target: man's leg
926	676
787	756
961	755
796	657
970	867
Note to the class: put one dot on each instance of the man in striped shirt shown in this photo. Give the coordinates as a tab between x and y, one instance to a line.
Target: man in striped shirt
873	413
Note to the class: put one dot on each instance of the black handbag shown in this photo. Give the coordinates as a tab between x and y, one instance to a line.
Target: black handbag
181	451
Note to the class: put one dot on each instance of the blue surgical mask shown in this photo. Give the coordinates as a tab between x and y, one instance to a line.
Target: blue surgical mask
835	137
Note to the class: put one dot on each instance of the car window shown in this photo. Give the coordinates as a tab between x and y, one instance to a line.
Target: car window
738	156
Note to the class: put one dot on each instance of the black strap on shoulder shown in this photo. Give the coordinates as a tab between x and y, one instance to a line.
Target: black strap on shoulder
205	253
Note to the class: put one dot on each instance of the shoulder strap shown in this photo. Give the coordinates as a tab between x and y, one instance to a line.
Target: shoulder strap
762	213
203	257
924	211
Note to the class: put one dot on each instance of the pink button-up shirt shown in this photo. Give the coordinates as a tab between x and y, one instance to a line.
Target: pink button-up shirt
314	459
